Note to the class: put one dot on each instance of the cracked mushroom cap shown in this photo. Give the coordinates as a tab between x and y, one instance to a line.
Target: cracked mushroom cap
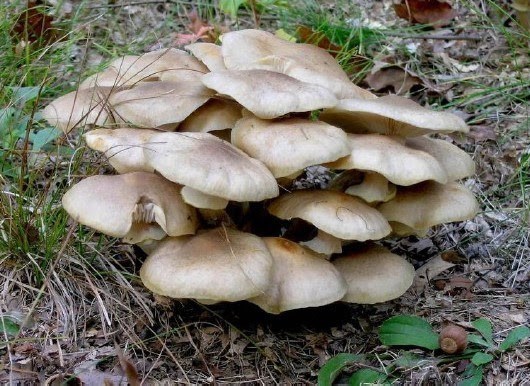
211	166
374	188
287	146
388	156
374	275
221	264
252	49
122	147
160	105
214	115
427	204
269	94
336	213
80	108
391	115
209	54
300	278
134	206
456	162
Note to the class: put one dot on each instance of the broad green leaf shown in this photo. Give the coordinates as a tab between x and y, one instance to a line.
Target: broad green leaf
483	326
481	358
331	370
8	326
472	376
43	137
408	330
231	7
407	360
477	339
22	95
366	377
514	337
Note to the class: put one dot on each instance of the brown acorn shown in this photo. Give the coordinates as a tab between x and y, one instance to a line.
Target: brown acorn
453	339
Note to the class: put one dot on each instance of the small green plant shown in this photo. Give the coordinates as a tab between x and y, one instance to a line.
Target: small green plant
409	330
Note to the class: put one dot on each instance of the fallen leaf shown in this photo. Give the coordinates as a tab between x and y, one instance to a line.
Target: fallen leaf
199	30
434	12
33	25
392	78
428	271
481	133
128	368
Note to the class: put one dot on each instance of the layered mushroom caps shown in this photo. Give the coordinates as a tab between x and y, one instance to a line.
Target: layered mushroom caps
200	141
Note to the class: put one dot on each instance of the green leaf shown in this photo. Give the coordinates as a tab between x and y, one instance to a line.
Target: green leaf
481	358
366	377
231	7
43	137
8	326
331	370
514	337
483	326
408	330
477	339
22	95
472	376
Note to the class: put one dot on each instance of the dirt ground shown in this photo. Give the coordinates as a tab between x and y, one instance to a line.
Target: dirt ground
99	328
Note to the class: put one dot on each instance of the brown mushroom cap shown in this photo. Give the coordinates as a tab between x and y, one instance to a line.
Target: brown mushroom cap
287	146
336	213
210	165
374	275
159	104
122	147
386	155
221	264
300	278
209	54
259	50
269	94
135	206
427	204
390	115
79	108
456	162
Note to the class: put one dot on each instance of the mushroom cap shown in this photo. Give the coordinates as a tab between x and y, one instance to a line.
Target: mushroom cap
201	200
373	189
210	165
221	264
269	94
252	49
170	65
456	162
324	243
79	108
386	155
336	213
391	115
209	54
374	275
159	104
214	115
135	206
427	204
107	78
300	278
289	145
123	147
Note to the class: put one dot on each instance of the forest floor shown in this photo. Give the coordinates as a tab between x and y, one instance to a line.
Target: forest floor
71	301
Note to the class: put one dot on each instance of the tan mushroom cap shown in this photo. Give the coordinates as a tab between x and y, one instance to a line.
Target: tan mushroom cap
324	243
403	230
170	65
123	147
135	206
269	94
210	165
374	275
252	49
79	108
336	213
391	115
159	104
456	162
300	279
373	189
201	200
429	203
221	264
107	78
209	54
214	115
287	146
386	155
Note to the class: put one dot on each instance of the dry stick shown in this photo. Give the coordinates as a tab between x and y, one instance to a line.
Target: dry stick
436	37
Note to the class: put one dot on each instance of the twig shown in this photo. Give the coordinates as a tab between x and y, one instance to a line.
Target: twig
436	37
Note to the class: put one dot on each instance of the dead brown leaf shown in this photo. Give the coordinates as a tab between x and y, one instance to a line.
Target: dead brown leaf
128	368
199	30
437	13
33	25
392	78
428	271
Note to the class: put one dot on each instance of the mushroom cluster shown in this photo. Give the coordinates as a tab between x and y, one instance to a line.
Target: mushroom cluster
209	146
